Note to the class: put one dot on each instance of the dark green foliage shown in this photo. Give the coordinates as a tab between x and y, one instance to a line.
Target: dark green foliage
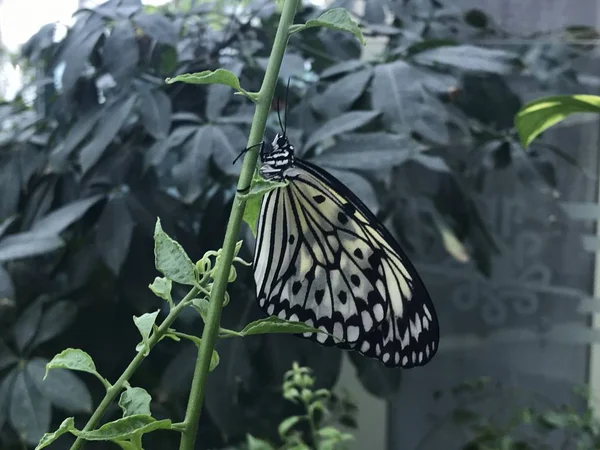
88	165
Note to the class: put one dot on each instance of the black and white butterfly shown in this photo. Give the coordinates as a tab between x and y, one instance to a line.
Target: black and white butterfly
324	259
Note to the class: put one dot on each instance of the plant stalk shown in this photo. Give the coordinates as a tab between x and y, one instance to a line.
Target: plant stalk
117	387
212	325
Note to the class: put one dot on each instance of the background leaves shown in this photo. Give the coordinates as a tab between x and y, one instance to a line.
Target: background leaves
86	169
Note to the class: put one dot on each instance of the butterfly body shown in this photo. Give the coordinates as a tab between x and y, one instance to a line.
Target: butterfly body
324	259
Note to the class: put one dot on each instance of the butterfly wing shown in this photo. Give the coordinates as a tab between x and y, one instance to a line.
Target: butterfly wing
324	259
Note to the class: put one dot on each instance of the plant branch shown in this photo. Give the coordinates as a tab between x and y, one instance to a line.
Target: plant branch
116	388
211	328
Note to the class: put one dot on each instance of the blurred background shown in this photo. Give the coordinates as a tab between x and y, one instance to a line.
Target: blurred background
419	123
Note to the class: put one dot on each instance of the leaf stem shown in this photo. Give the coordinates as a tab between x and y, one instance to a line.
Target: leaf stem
116	388
211	328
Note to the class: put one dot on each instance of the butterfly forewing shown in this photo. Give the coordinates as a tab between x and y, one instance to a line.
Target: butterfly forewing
324	259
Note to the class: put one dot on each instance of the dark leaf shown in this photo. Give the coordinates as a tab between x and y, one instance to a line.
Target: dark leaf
359	185
24	245
226	143
341	124
6	389
62	387
59	220
115	229
10	186
26	327
177	375
39	202
376	378
5	225
7	358
342	67
157	26
155	112
340	95
374	11
30	411
368	151
432	162
7	288
224	386
113	119
180	135
121	54
77	133
397	94
469	57
79	44
156	153
56	318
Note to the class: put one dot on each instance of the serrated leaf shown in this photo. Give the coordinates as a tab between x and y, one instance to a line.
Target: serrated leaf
257	444
161	287
537	116
30	411
66	426
201	305
171	259
219	76
144	324
72	359
125	428
254	197
285	426
135	400
61	387
276	325
335	19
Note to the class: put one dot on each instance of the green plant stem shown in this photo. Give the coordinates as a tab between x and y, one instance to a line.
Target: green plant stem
212	325
116	388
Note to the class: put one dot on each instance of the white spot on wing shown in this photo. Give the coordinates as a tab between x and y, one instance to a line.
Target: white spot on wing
282	314
270	309
378	312
404	360
386	357
294	318
365	346
338	331
367	320
322	337
397	357
353	333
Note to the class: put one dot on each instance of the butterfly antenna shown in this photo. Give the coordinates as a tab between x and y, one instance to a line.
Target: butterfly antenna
279	117
287	89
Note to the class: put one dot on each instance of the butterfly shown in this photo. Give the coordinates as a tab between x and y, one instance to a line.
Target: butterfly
322	258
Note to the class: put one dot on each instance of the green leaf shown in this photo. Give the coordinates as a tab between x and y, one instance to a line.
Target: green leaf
201	305
259	188
335	19
72	359
539	115
171	259
62	387
135	400
219	76
276	325
289	423
214	361
125	428
144	324
257	444
65	427
161	287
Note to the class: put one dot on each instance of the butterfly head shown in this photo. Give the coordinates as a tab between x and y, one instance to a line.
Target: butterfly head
276	158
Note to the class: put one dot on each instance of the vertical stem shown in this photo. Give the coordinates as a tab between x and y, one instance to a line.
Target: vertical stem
211	328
